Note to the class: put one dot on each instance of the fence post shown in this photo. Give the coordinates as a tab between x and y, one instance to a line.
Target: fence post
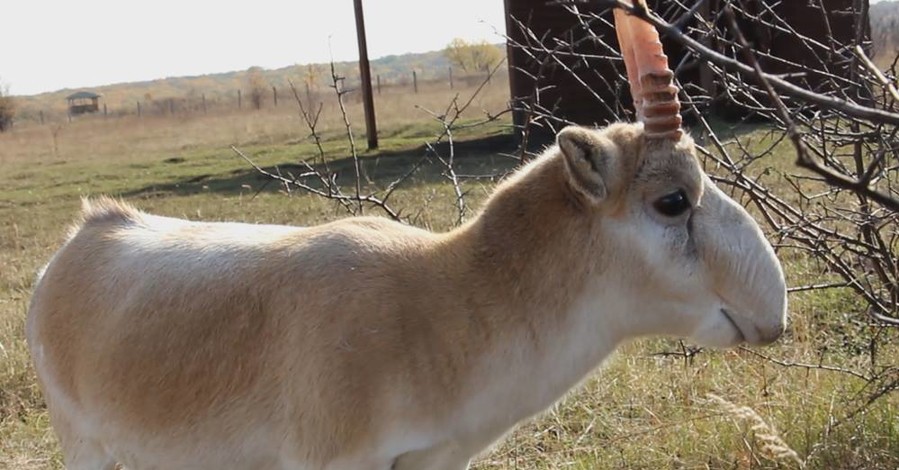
451	77
275	95
42	117
415	81
379	85
138	109
239	99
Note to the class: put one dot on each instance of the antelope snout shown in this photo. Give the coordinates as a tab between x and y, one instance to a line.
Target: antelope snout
769	333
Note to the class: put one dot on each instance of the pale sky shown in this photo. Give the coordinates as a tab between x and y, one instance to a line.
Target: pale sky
54	44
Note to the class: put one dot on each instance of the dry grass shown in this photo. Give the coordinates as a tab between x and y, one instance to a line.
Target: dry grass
885	61
642	411
399	111
772	445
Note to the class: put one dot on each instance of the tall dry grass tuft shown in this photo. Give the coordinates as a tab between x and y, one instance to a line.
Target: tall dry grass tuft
772	446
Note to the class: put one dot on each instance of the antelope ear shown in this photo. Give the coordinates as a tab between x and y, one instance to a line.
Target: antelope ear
592	163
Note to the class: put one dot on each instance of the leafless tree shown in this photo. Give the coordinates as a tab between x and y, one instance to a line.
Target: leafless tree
319	179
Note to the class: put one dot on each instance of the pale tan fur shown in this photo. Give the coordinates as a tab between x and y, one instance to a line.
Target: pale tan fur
364	343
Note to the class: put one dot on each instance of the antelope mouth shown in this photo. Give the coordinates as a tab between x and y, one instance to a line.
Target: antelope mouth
730	318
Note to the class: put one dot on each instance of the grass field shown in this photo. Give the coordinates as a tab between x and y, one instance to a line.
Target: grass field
717	409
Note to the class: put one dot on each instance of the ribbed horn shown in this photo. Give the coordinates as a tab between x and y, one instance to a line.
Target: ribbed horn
650	79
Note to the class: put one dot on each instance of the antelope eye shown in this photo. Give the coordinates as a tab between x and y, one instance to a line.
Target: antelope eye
672	205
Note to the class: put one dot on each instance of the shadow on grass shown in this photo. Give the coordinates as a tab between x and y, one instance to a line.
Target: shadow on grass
478	157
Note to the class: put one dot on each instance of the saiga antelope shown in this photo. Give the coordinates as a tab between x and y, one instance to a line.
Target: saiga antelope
365	344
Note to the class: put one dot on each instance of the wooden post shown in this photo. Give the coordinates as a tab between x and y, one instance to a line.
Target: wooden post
138	109
105	113
275	95
42	117
451	77
239	99
415	81
379	85
371	128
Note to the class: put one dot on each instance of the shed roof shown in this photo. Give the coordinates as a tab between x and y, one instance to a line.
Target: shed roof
78	95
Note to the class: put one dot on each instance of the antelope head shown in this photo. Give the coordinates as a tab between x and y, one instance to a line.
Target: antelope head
702	267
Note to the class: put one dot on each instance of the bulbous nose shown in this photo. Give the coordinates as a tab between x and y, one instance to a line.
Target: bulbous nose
767	336
746	272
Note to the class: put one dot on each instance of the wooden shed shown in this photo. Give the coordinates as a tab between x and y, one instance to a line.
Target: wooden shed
584	87
82	102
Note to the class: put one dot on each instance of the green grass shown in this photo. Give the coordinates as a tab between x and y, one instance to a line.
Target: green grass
643	410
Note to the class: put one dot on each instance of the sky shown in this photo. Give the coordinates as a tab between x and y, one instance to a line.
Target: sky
54	44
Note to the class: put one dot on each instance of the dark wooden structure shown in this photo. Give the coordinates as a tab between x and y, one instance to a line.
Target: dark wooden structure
589	92
83	102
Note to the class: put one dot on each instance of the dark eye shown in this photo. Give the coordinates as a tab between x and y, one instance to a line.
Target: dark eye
672	205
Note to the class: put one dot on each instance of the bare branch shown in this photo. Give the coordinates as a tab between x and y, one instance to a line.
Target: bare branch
336	82
804	159
295	181
783	363
890	86
827	102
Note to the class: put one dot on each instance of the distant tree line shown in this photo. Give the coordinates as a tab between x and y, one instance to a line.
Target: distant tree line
473	56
